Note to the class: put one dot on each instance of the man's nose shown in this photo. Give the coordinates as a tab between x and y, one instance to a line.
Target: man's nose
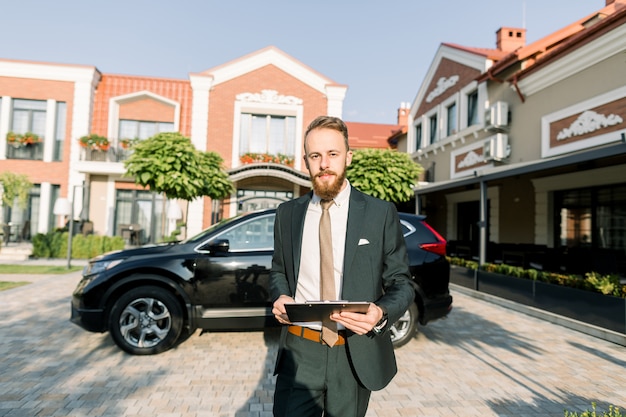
324	162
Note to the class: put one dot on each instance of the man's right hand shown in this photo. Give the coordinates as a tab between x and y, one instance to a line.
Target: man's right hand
279	310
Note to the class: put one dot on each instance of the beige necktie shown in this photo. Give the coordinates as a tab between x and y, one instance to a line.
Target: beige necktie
327	274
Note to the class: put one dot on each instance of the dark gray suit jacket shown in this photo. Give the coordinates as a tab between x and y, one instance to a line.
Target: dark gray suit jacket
377	272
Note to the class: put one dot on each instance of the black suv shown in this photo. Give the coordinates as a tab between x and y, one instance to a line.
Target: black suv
147	297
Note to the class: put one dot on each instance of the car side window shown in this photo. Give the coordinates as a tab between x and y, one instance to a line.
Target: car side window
407	228
255	234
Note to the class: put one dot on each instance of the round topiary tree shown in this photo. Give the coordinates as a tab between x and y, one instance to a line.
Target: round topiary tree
168	163
384	173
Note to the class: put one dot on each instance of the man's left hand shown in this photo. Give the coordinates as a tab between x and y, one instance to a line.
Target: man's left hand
359	323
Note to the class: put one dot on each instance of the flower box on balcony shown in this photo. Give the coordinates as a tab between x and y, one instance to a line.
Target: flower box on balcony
126	143
253	157
18	140
95	142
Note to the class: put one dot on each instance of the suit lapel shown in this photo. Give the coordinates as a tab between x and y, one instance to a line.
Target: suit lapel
356	218
297	229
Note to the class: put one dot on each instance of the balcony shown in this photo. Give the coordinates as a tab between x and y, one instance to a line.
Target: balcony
32	151
108	154
105	161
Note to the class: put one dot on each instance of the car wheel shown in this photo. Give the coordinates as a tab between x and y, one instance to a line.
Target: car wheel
405	328
146	321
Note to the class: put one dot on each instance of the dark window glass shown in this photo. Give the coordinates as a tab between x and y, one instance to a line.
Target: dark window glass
472	108
418	136
451	126
433	129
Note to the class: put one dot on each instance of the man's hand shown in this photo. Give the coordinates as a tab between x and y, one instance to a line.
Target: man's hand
359	323
279	309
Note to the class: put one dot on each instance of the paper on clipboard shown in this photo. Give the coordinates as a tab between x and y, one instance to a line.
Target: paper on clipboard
317	310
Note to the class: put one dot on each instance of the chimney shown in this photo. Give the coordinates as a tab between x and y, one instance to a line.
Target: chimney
403	114
510	39
609	2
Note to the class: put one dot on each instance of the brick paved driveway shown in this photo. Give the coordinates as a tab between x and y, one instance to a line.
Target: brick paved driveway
484	360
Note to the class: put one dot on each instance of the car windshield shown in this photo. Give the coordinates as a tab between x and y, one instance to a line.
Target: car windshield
210	229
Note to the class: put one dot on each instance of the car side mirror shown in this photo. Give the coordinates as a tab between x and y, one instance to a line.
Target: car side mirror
219	246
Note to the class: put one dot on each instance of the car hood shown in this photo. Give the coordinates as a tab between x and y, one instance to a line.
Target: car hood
158	249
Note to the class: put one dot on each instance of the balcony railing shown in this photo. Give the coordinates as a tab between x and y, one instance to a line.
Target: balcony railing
32	151
112	154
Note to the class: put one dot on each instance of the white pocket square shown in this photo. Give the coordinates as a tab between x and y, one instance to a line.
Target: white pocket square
364	242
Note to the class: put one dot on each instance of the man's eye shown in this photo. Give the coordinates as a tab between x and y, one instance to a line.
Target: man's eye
313	156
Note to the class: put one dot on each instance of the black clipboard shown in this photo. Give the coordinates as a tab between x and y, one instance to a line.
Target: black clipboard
316	310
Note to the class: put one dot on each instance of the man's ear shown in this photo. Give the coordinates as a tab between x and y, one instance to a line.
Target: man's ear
348	158
306	161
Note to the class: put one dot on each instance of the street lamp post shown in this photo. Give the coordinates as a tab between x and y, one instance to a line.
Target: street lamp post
70	232
61	208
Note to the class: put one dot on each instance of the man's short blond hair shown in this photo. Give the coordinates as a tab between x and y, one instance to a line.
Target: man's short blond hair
328	122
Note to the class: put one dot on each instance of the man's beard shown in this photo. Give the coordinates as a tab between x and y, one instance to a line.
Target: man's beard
328	191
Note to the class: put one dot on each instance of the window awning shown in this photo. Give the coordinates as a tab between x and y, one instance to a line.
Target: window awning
524	168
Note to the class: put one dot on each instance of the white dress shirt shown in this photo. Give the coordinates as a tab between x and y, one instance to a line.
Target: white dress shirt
308	288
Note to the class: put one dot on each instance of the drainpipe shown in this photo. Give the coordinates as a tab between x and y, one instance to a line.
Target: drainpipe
482	251
519	92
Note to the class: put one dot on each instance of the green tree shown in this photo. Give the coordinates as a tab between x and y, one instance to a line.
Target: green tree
384	173
15	186
168	163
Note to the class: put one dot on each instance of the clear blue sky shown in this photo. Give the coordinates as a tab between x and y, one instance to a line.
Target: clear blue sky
380	49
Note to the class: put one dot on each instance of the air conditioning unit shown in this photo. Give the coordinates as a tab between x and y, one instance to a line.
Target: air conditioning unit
497	116
496	148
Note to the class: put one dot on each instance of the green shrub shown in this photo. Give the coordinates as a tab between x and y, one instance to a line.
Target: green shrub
54	245
613	412
464	263
49	245
605	284
531	274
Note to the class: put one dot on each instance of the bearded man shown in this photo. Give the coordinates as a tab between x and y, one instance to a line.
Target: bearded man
369	263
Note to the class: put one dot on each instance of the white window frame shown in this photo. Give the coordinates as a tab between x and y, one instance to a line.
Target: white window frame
114	110
464	93
267	108
445	105
428	116
418	140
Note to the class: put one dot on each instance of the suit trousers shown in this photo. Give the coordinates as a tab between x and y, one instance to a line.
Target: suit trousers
315	380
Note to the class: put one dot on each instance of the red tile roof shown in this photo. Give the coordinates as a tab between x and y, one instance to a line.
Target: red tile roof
539	50
370	135
493	54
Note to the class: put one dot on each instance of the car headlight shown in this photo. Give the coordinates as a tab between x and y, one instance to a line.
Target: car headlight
99	266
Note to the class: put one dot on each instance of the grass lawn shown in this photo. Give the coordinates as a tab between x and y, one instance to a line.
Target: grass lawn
37	269
30	269
7	285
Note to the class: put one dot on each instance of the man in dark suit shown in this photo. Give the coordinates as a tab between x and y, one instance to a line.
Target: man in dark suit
370	263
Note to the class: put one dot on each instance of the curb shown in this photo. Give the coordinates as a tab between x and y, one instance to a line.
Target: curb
599	332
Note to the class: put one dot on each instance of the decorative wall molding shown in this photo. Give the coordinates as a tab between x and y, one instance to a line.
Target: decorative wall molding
588	122
471	159
467	159
443	84
593	122
268	96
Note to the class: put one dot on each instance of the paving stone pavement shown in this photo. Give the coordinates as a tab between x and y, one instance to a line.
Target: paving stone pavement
484	360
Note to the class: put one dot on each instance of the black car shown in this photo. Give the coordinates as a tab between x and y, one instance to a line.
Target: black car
149	297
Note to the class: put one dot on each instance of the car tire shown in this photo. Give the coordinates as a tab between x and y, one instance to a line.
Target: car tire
146	321
403	330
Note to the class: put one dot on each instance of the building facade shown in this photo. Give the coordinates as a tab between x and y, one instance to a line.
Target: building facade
68	129
523	146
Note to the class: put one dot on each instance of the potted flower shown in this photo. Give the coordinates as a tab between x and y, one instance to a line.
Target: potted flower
251	157
126	143
26	139
95	142
284	159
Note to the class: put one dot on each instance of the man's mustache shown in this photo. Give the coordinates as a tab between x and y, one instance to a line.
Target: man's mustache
325	172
